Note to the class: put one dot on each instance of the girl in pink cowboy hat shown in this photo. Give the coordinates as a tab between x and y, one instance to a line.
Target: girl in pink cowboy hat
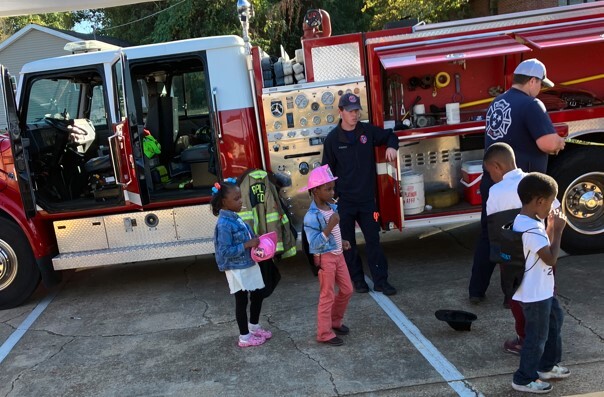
326	244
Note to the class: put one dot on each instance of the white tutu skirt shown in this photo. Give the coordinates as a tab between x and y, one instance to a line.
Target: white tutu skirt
248	279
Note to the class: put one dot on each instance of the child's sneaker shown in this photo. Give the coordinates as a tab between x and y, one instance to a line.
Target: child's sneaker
513	346
557	372
252	340
266	334
537	387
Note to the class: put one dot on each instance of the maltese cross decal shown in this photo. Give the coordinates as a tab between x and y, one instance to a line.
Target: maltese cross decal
498	119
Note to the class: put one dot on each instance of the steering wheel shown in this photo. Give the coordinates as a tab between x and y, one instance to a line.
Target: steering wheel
60	124
313	18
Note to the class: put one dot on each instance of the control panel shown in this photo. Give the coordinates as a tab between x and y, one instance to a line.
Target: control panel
307	112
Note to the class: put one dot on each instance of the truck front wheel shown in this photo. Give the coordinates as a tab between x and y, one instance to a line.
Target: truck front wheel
19	274
580	180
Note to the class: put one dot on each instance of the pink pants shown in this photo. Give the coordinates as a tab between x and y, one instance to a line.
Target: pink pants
333	271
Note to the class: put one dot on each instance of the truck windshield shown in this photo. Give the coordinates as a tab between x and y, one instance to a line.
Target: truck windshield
52	98
66	99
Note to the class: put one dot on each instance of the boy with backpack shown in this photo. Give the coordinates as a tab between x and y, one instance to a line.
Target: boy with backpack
502	207
542	349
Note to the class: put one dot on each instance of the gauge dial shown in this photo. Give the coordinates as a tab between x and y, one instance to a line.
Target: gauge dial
316	120
303	121
277	125
301	101
327	98
277	108
330	118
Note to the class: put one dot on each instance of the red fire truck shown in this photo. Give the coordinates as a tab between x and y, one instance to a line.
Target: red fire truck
110	155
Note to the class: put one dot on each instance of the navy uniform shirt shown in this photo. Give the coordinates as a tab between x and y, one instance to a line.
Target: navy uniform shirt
353	160
519	120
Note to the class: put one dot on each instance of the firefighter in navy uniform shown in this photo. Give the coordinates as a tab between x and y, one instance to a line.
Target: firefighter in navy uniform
349	152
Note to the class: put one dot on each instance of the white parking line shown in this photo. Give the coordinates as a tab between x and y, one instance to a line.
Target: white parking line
447	370
12	340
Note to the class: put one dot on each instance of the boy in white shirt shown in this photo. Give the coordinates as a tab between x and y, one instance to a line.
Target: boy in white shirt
502	207
542	349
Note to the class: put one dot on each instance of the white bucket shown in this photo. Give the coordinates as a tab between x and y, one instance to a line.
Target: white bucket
452	113
412	190
420	108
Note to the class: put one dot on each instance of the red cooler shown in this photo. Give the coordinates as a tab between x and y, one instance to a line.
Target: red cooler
472	175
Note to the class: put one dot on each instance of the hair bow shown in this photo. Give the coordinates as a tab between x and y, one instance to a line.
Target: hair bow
231	180
215	188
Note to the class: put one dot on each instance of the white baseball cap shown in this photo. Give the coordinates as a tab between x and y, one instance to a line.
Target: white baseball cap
534	68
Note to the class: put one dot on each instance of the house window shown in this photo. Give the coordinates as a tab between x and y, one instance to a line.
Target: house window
571	2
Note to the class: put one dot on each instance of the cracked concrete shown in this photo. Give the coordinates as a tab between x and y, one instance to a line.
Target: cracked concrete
167	328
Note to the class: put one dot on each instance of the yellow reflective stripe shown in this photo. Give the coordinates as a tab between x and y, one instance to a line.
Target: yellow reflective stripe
289	252
255	221
279	246
258	174
246	215
285	219
272	217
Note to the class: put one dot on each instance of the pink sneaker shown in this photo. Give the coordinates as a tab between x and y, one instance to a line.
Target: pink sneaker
266	334
253	340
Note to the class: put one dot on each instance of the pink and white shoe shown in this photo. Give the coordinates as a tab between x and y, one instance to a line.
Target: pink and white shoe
253	340
266	334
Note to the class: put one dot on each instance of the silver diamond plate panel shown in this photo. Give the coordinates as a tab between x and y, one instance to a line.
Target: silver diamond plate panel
336	62
81	235
128	230
194	222
133	254
578	128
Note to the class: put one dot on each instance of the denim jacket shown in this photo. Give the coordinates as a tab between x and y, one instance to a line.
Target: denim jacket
229	236
314	223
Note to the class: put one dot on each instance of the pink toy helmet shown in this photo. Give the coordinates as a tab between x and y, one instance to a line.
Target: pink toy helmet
319	176
267	247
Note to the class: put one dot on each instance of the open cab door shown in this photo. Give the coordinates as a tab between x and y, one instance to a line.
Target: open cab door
18	144
389	200
126	154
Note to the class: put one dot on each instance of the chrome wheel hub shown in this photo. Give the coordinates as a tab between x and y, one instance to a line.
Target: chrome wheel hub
584	203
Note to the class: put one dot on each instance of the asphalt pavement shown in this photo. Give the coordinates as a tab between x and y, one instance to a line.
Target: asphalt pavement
167	328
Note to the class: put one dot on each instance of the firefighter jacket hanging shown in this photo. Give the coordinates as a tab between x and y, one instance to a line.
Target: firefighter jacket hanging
262	210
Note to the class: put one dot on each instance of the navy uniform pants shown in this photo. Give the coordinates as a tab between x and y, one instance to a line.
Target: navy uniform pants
363	214
482	268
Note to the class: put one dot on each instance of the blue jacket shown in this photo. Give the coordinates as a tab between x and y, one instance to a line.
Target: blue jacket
229	236
314	223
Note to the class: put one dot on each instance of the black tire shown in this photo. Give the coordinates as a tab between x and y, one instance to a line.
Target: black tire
580	176
19	274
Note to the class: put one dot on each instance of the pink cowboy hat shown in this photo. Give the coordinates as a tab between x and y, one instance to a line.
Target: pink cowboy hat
319	176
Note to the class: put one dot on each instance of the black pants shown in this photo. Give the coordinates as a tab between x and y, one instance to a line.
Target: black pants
256	299
363	215
482	268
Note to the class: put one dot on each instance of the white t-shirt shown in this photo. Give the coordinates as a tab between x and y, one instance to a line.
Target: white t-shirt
503	195
538	282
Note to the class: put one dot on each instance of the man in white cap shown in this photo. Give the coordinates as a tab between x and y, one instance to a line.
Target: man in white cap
519	119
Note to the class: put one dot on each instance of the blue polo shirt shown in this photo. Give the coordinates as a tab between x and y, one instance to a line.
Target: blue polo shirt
519	120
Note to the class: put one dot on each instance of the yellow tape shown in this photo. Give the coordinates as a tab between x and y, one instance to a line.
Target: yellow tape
439	82
580	142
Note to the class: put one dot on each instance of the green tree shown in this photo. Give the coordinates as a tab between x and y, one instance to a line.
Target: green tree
58	20
424	10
